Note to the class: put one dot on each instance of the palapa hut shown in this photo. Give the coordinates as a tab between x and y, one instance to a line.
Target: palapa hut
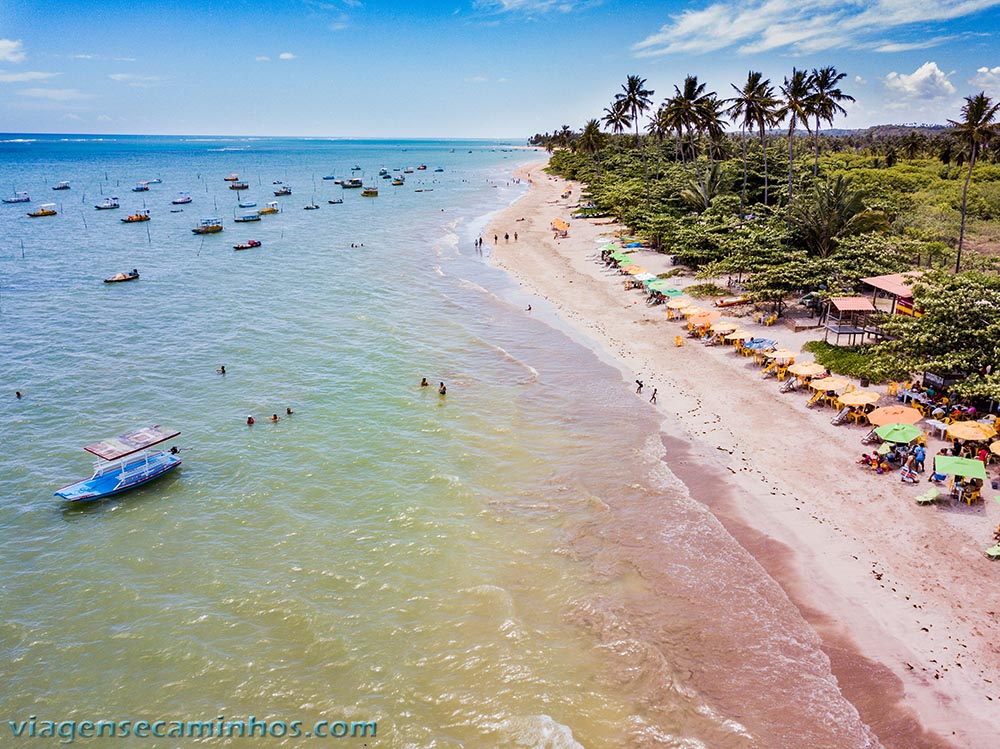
849	317
898	288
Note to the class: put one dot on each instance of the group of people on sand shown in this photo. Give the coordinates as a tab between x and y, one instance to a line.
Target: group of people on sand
442	390
909	458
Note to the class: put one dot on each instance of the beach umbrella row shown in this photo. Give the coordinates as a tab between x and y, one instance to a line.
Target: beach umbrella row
902	433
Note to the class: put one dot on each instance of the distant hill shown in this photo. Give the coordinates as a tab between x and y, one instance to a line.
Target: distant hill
888	131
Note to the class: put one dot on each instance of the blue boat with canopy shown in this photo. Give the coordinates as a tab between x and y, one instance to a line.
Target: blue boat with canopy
126	462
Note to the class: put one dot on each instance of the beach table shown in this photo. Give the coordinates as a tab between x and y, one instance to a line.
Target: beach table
937	427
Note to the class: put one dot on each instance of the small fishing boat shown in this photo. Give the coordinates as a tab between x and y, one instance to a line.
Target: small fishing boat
329	176
44	209
398	180
208	226
386	176
338	201
132	275
248	245
439	169
355	168
352	183
239	186
126	462
19	197
181	199
311	207
108	204
370	192
382	172
61	186
422	168
141	187
248	204
408	170
284	190
338	182
136	217
271	207
156	181
231	178
247	217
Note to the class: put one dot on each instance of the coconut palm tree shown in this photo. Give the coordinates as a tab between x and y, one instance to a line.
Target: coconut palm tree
685	107
636	99
591	141
754	105
795	109
616	117
976	128
824	103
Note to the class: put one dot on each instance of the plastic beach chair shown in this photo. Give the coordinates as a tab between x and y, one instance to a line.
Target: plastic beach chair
993	552
929	497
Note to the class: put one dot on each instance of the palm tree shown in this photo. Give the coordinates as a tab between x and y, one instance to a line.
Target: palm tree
616	117
684	108
755	105
824	103
636	99
833	211
795	109
590	141
976	128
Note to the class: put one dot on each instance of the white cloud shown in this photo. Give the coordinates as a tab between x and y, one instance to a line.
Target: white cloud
11	50
925	83
54	94
135	80
286	56
476	79
262	58
799	25
988	80
528	6
909	46
26	76
859	80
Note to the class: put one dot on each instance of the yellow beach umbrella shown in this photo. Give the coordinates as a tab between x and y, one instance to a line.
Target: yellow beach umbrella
859	398
629	268
970	430
691	309
722	328
635	269
995	447
892	414
829	383
807	369
678	303
781	353
738	334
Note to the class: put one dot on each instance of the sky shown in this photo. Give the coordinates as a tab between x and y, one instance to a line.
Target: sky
464	68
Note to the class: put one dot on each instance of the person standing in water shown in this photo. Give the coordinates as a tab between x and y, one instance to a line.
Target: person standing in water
442	390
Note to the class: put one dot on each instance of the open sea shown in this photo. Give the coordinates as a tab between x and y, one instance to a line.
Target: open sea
462	571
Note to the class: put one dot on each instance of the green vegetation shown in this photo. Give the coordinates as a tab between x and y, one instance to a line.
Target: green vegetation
706	291
853	205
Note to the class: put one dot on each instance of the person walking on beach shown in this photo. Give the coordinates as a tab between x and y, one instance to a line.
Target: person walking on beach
639	388
652	398
495	239
919	455
506	237
515	236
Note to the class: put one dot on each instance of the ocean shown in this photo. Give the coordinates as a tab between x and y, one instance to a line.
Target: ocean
467	570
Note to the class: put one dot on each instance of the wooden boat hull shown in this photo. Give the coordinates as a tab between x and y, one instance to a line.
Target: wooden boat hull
134	473
121	278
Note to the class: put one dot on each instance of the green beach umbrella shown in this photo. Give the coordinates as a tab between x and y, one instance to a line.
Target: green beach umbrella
898	432
952	466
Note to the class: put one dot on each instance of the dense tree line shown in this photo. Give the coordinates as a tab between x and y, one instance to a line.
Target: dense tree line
694	176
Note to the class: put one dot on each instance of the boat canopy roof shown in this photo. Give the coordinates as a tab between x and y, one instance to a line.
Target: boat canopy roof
130	442
43	206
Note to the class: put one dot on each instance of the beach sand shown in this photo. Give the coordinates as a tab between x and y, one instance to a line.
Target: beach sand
904	600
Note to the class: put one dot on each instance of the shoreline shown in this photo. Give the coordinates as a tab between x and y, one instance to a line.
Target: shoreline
904	601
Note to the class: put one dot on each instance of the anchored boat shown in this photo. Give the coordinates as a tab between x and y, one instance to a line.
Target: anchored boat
108	204
45	209
120	467
208	226
136	217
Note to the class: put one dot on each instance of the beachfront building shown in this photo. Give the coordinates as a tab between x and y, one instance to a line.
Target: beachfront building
893	293
850	318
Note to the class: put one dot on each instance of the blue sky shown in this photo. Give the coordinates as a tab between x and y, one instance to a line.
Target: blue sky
464	68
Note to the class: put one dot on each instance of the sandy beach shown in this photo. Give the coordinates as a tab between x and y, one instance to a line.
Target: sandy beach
904	600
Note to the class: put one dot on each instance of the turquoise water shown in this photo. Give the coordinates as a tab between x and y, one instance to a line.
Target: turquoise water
467	570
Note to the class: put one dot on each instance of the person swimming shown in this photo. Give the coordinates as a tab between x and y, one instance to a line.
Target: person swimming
442	390
424	383
221	369
288	411
249	421
274	417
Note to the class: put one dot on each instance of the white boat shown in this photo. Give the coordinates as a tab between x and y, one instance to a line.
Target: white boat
247	217
181	199
19	197
108	204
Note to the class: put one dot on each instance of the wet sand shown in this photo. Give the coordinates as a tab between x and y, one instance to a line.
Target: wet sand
901	596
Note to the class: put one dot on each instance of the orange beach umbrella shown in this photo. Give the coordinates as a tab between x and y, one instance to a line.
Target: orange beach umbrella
678	303
894	415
